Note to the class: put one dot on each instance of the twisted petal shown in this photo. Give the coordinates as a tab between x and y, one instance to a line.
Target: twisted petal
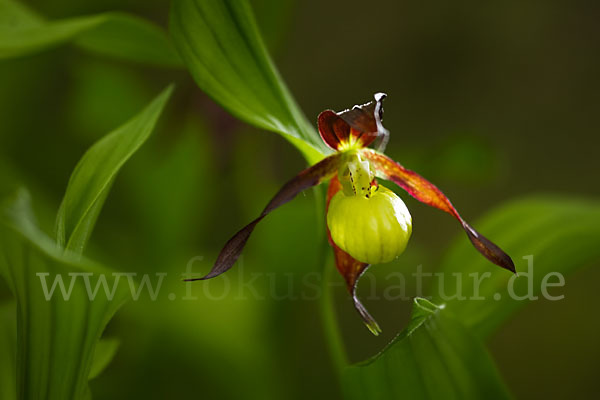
350	268
361	124
424	191
318	173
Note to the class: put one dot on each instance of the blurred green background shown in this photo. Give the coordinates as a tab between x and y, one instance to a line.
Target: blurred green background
489	101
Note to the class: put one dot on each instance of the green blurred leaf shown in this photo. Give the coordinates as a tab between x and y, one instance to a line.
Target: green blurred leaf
560	233
94	174
131	38
103	355
16	15
435	357
118	35
23	32
463	158
8	353
95	87
57	331
167	185
221	46
275	19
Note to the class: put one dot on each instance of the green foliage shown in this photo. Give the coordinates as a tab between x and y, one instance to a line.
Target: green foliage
59	324
104	353
8	345
54	354
94	174
118	35
435	357
220	44
56	348
561	234
439	354
130	38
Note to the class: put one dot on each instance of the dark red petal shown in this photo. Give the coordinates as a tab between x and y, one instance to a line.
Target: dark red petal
350	268
361	123
327	128
426	192
318	173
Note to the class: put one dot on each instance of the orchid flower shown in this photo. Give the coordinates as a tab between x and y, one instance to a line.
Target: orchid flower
366	222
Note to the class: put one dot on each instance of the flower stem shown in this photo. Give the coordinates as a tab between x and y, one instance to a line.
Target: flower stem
329	320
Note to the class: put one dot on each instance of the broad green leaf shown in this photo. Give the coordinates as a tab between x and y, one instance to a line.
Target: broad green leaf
8	353
435	357
94	174
118	35
555	235
58	326
221	46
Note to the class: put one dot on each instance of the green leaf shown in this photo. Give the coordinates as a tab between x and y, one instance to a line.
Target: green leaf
435	357
16	15
103	355
8	354
23	32
130	38
57	331
560	233
94	174
221	46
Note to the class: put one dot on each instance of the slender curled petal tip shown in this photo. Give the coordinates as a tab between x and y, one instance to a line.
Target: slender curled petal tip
314	175
427	193
358	126
349	267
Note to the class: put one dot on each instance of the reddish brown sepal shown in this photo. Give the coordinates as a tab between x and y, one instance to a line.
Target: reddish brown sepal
426	192
361	124
318	173
350	268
